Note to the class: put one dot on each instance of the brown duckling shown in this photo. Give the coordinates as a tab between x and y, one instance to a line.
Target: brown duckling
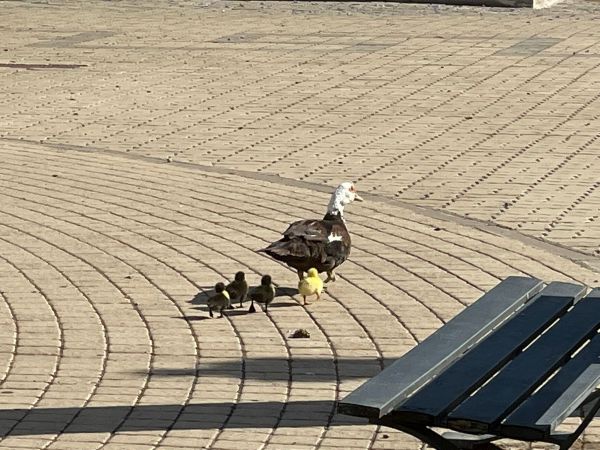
265	293
238	288
219	301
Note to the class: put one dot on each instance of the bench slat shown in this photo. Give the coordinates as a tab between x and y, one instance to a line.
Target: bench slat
548	407
488	406
456	383
381	394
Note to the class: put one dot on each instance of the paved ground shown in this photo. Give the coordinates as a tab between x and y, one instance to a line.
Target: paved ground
472	131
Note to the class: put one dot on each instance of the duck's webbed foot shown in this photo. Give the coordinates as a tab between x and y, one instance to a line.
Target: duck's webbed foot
330	276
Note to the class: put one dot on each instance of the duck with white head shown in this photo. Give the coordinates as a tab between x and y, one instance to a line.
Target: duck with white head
323	244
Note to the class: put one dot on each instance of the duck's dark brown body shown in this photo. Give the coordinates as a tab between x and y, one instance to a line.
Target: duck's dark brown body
322	244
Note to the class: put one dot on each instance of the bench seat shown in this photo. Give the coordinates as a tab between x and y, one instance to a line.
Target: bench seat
514	364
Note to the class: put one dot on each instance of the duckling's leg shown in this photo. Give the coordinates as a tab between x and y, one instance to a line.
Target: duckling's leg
330	276
230	306
210	311
318	296
252	309
242	300
221	311
304	298
300	274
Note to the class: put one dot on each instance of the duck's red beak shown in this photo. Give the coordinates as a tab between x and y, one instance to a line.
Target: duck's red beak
357	197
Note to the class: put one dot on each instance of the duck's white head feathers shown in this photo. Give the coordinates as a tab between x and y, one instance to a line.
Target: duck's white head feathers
344	194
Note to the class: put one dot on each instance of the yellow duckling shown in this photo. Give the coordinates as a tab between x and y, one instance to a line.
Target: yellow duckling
311	285
219	301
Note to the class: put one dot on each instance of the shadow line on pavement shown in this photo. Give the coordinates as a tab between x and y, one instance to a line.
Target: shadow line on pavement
202	416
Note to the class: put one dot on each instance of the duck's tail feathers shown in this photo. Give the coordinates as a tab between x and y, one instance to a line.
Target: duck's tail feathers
278	248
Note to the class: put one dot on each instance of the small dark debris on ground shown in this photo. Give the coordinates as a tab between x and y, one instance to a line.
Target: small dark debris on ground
299	333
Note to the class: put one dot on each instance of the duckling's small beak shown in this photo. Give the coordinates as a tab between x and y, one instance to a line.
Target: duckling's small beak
358	198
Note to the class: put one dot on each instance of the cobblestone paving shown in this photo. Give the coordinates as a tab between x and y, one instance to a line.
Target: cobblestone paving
490	114
107	251
104	265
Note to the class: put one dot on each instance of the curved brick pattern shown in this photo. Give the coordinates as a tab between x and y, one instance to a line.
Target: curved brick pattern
107	343
488	115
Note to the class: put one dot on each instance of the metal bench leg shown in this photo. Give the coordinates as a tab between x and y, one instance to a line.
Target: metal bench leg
589	402
436	440
592	407
426	435
472	441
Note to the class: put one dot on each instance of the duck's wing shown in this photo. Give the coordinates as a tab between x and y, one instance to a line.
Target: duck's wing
302	239
310	230
318	231
322	244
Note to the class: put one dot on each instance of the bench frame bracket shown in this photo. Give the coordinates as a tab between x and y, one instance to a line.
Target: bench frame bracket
447	441
462	441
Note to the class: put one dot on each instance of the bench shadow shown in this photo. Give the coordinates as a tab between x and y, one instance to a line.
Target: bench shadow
108	419
278	369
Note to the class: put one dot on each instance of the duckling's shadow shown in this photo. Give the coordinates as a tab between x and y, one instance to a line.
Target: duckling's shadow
192	318
285	292
204	294
282	304
236	311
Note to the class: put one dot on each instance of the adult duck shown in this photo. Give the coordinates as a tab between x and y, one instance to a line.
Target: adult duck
323	244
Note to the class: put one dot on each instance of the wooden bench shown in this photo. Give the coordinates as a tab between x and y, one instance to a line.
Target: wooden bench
514	364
